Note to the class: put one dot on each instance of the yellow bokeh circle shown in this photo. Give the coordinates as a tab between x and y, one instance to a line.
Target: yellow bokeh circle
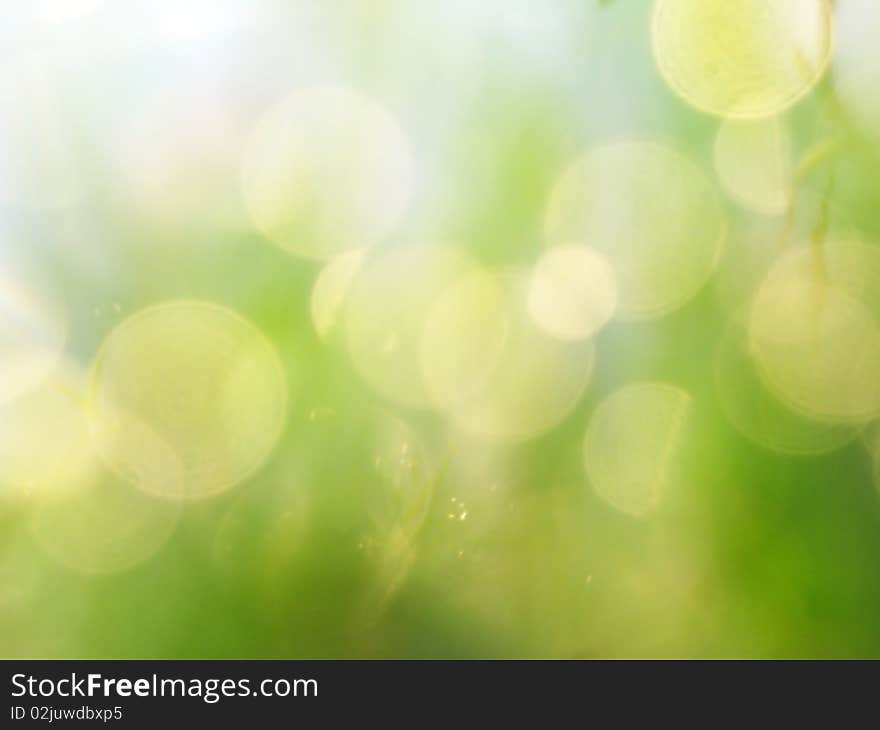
191	389
742	58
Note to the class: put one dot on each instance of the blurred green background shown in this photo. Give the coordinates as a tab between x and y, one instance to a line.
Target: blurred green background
664	449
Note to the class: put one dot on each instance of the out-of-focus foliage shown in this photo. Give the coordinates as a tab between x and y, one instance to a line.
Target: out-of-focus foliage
457	329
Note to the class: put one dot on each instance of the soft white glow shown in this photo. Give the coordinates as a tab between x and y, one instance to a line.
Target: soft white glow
33	333
61	11
327	170
39	164
178	157
104	526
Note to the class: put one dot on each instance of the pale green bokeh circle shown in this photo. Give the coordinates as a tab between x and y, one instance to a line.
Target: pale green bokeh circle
331	288
573	292
651	212
757	414
753	163
104	525
491	369
632	442
814	334
742	58
193	389
33	333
